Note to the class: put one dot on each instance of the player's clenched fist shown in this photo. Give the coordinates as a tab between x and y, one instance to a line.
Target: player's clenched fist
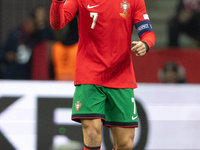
139	48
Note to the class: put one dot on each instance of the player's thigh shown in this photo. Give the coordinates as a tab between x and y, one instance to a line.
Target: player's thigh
123	136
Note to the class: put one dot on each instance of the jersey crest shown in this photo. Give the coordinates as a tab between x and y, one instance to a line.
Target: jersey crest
78	106
125	6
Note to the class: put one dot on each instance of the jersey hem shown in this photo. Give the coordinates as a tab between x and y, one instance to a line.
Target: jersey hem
116	87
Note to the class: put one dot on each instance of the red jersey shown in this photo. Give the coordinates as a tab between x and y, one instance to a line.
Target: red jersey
105	30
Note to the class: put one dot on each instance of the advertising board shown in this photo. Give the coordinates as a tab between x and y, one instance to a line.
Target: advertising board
36	115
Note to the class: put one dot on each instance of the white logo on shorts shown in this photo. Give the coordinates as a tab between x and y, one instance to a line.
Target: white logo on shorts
133	118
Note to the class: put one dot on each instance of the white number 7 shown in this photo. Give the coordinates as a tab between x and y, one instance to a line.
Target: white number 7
94	16
134	109
134	105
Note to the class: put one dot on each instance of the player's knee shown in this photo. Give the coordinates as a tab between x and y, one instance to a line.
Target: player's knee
92	131
92	135
125	147
125	144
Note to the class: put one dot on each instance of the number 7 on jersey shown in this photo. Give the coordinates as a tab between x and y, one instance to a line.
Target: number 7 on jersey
93	15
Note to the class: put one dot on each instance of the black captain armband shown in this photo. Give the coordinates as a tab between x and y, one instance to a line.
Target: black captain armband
59	0
147	47
143	26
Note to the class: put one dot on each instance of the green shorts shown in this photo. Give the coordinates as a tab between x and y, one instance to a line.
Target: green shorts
116	107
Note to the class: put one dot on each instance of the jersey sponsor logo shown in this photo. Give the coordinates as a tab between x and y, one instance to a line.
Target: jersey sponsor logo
125	6
78	106
88	6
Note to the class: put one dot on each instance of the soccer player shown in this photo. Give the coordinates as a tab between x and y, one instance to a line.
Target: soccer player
104	75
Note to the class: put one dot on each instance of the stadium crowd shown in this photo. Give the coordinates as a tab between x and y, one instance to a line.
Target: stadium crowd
34	51
185	21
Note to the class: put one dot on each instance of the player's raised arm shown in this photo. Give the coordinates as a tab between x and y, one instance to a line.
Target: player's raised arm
62	12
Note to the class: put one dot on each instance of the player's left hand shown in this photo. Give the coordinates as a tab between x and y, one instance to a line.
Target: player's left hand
139	48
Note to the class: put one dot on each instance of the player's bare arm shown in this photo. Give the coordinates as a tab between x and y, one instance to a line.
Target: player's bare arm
139	48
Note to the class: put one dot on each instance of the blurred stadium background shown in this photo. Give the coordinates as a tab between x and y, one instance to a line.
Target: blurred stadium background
13	13
35	115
